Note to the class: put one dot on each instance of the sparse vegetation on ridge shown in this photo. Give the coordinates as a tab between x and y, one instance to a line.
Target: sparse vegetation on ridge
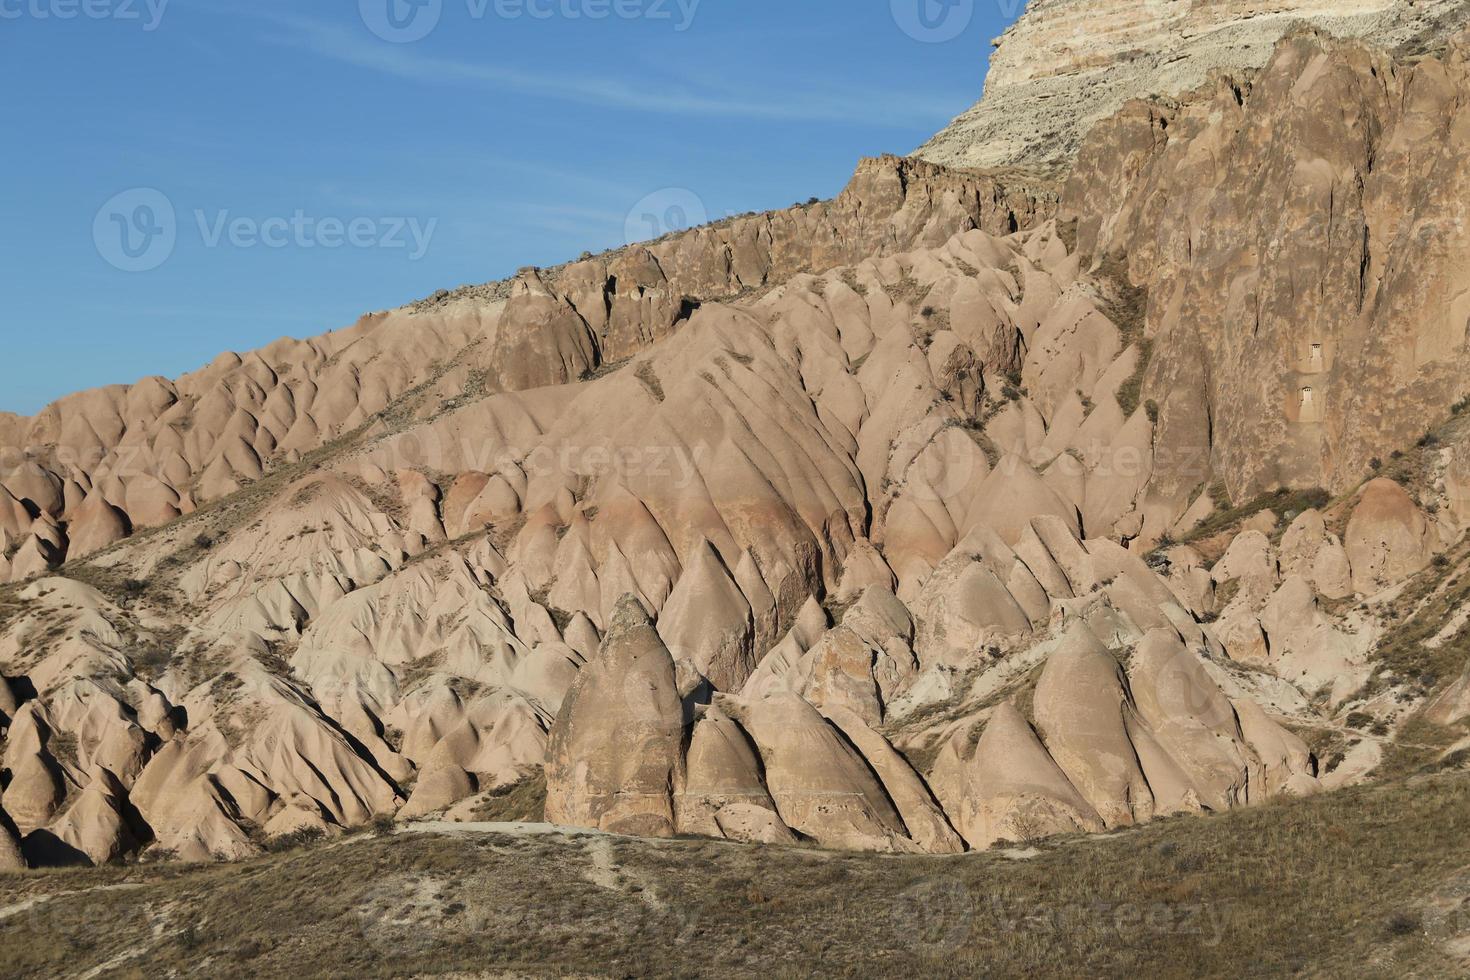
1325	886
1281	502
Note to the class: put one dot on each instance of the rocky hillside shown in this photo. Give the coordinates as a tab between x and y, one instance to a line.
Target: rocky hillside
1068	64
96	466
1178	899
963	509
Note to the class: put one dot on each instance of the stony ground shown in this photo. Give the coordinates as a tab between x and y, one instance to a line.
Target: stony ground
1369	882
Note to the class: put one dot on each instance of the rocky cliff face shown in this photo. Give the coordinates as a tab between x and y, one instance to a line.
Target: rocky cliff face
1327	326
97	465
1068	64
947	513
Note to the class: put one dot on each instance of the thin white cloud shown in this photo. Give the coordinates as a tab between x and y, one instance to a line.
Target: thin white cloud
415	64
570	211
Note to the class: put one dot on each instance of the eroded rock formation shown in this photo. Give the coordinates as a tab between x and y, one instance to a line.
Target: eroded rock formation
916	520
1068	64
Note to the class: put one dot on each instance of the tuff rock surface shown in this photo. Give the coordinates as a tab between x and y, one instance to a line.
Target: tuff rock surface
962	509
1066	65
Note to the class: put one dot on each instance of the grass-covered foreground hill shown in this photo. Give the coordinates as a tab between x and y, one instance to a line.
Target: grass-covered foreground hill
1369	882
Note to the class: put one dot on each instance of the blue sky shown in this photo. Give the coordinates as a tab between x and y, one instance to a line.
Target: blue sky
321	160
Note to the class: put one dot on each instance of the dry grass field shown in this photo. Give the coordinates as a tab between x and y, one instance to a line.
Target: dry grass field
1369	882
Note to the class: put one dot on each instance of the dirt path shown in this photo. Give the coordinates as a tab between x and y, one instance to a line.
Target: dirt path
38	900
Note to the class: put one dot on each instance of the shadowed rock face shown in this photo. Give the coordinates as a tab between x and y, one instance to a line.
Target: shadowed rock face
870	547
10	853
1067	65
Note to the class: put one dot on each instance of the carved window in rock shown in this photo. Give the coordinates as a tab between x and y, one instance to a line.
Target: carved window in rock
1310	411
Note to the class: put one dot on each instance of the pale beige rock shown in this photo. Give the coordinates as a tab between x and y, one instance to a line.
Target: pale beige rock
10	855
1084	712
9	704
1288	762
545	676
1305	647
617	745
38	785
497	501
841	676
297	818
1148	177
357	712
14	518
203	823
965	607
33	484
1262	522
462	492
822	788
34	558
300	756
1013	496
922	817
170	786
156	715
95	525
1388	537
540	340
906	404
1250	558
708	621
1006	787
1067	64
1194	723
786	666
437	790
865	568
498	740
123	751
722	789
762	602
421	500
753	824
96	824
424	718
